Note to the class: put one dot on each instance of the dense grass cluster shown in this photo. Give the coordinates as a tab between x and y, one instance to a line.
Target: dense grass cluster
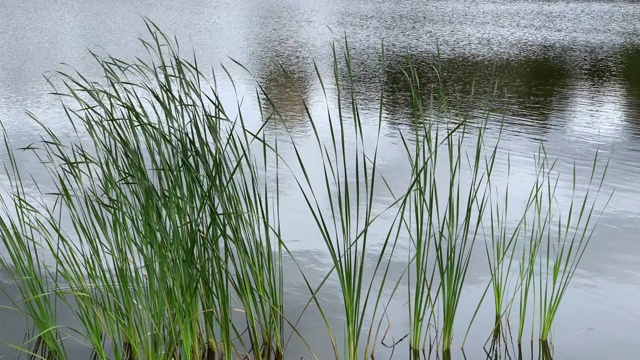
163	238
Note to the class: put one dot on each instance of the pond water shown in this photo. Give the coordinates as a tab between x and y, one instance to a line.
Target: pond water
567	72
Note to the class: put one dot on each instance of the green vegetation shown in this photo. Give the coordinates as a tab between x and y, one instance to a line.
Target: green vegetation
447	211
163	237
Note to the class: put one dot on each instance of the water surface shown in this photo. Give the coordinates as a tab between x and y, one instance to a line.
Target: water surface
567	74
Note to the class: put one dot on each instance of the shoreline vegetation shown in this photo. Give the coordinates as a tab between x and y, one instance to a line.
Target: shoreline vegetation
163	239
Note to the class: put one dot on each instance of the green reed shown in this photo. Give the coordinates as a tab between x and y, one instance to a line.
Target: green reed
500	251
423	155
504	240
349	182
169	230
535	225
556	235
459	224
19	225
565	246
161	234
450	193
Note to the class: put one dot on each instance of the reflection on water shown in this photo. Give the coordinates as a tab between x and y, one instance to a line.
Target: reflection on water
563	73
285	88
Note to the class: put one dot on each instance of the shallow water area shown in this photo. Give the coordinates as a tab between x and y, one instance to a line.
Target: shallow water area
567	75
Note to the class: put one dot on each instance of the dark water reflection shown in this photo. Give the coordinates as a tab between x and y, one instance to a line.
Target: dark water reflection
565	73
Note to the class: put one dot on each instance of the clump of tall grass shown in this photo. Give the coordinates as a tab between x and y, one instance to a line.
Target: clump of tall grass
557	234
169	229
349	181
535	226
500	251
504	241
450	192
423	155
564	246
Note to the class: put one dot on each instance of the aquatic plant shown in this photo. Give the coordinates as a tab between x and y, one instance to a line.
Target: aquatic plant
349	182
534	227
24	265
168	228
565	246
161	234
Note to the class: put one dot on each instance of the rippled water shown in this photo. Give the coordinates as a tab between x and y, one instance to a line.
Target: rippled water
567	73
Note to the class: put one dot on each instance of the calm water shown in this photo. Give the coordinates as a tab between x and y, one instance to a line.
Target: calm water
568	75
